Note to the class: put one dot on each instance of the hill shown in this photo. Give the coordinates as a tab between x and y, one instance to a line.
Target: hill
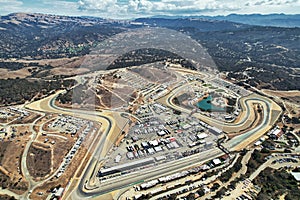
277	20
38	36
262	56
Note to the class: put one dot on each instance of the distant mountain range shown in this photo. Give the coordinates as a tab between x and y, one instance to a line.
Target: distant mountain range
262	56
277	20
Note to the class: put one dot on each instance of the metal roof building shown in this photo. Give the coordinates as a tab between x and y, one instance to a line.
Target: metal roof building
215	131
126	166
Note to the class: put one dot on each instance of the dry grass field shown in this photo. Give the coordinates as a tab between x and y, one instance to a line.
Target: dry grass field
10	171
39	160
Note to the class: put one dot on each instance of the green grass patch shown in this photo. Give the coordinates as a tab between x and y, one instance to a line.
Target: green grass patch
206	85
220	90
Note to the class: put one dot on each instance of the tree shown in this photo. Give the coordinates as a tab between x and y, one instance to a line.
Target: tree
191	196
263	196
264	150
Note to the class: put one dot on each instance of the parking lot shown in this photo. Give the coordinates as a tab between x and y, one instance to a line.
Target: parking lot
163	137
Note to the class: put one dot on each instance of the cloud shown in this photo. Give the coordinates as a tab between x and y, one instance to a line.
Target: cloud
259	3
103	5
273	3
270	6
58	7
8	6
11	2
142	8
155	7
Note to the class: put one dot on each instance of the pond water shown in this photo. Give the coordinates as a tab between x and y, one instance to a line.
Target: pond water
206	105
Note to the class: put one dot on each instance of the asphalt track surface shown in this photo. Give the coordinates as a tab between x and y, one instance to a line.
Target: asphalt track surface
83	191
245	103
80	192
174	166
51	107
150	173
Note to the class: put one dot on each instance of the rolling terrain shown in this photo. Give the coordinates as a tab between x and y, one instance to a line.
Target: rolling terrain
151	108
38	46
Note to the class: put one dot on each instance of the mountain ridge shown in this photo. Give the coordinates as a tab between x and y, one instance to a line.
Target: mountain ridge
277	20
261	56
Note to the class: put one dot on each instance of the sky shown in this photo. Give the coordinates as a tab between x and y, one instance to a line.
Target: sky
143	8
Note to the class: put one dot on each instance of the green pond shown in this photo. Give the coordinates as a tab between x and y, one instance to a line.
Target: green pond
206	105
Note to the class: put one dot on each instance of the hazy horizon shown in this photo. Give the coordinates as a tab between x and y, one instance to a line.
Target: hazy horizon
128	9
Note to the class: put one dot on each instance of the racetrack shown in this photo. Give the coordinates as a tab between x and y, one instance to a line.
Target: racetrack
110	129
271	112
